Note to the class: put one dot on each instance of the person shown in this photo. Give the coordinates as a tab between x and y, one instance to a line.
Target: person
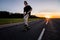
27	12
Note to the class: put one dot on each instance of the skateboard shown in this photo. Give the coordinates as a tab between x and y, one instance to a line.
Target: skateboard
26	28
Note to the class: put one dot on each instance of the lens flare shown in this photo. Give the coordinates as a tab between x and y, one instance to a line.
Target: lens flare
47	16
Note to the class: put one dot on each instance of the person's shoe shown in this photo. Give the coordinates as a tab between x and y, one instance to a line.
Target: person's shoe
25	30
25	25
28	28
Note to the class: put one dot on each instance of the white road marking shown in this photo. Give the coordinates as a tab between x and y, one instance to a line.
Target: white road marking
40	37
46	22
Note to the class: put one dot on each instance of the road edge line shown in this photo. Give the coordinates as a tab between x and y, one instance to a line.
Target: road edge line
41	35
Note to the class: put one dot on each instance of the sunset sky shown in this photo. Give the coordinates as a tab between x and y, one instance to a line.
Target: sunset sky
41	8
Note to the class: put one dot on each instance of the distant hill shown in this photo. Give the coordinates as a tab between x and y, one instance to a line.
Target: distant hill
6	14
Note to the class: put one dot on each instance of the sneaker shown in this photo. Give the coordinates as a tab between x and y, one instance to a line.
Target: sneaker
25	25
25	30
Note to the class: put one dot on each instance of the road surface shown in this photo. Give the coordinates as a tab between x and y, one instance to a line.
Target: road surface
39	31
52	31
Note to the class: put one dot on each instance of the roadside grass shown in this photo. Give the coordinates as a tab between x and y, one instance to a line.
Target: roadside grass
14	20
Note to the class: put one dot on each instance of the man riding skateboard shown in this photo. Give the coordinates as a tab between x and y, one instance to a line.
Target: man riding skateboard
27	12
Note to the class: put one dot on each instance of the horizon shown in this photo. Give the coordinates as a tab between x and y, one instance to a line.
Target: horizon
40	7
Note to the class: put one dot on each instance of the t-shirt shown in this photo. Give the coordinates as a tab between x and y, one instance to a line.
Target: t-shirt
27	8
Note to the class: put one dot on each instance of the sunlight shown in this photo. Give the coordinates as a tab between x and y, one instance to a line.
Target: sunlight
47	16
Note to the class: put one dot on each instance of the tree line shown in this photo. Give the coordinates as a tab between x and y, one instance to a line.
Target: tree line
6	14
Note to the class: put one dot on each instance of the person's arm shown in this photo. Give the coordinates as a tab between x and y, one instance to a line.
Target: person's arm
24	12
30	9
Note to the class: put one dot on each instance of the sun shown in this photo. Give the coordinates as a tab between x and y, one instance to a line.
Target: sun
47	16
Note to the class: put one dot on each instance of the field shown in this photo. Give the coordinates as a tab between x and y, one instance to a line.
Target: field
14	20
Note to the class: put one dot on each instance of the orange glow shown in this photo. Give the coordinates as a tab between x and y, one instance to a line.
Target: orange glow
48	14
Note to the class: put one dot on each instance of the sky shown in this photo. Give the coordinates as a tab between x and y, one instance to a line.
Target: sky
40	7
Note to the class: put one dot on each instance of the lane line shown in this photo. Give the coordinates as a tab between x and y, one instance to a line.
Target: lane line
46	22
41	35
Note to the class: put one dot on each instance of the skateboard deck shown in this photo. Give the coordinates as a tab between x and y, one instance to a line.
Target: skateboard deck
26	28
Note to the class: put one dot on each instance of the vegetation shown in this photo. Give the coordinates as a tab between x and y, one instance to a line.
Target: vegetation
5	14
14	20
8	17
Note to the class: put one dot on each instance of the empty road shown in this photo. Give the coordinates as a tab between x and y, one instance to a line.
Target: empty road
39	31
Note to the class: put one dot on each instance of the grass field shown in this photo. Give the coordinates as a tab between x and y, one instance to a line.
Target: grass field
14	20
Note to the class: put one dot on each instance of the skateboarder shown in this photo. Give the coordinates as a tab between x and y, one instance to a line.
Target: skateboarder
27	12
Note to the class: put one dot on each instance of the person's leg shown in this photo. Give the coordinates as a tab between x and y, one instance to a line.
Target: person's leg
26	19
26	27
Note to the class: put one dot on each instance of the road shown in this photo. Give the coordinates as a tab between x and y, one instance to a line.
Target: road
52	31
37	31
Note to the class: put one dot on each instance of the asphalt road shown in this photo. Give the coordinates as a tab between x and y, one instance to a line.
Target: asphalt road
16	32
52	31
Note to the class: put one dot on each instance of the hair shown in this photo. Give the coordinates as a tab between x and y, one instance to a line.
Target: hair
25	2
